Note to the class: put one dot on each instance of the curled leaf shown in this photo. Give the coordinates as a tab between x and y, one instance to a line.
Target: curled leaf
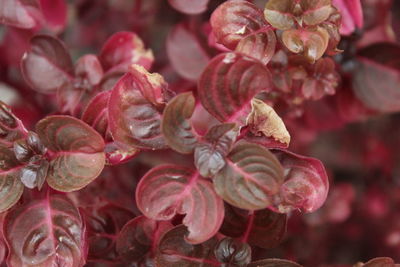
168	190
250	178
233	252
279	13
228	84
96	112
315	11
263	119
47	65
176	126
75	151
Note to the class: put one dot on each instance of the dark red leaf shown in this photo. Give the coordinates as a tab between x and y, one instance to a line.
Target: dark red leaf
228	84
122	50
11	128
135	110
262	228
251	177
169	189
45	232
306	183
185	52
75	152
174	251
377	63
189	7
209	155
140	236
233	252
176	126
96	112
47	65
20	13
55	14
235	19
274	263
11	187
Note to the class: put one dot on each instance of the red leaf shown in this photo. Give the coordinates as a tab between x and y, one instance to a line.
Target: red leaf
235	19
262	228
251	177
380	262
185	52
174	251
176	126
55	14
377	63
11	128
47	65
75	152
11	187
273	263
88	72
96	112
45	232
139	237
228	84
306	183
135	110
169	189
189	7
122	50
20	13
352	15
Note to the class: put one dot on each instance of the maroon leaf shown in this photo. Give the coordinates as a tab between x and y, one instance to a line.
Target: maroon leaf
122	50
169	189
228	84
135	109
251	177
11	128
47	65
75	152
274	263
45	232
96	112
233	252
55	14
233	20
306	183
185	52
262	228
176	126
377	63
11	187
20	13
140	236
189	7
259	45
174	251
209	155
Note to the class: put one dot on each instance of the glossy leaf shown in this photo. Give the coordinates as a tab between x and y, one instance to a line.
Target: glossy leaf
139	237
96	112
262	228
185	52
273	263
312	42
209	155
228	84
47	65
233	252
174	251
176	126
20	13
265	121
235	19
11	187
54	13
315	11
122	50
279	13
378	63
259	45
45	232
11	128
306	183
250	178
135	110
169	189
189	7
75	151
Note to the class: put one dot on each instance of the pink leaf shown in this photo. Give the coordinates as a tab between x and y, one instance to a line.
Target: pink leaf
352	15
20	13
169	189
55	14
189	7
